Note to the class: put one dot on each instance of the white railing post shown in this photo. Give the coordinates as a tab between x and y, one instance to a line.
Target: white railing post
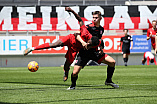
105	2
84	2
61	2
38	2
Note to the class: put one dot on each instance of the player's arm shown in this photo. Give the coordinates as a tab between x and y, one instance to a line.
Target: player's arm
149	34
131	45
101	46
78	37
120	45
68	9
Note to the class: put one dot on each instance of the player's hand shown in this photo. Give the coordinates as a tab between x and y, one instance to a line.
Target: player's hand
68	9
130	47
84	44
101	52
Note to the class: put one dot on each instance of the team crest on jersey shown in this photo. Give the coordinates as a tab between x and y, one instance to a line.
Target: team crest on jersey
100	31
128	37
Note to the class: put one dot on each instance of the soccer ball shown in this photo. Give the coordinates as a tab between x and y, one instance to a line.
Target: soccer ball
33	66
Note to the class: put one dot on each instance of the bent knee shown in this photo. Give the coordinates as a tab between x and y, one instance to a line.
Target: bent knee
74	74
113	63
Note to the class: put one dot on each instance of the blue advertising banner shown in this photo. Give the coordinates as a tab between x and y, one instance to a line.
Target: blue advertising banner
141	44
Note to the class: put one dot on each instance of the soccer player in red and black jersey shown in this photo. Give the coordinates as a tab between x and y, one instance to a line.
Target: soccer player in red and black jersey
93	54
151	33
95	28
74	42
126	40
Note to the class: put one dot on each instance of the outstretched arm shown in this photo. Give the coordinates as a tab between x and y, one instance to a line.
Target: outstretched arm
78	37
68	9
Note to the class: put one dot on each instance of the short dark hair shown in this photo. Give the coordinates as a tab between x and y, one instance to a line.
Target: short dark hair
95	41
96	12
152	60
154	21
126	30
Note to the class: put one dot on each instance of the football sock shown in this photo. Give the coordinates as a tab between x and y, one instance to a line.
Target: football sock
42	46
66	69
110	71
125	59
73	80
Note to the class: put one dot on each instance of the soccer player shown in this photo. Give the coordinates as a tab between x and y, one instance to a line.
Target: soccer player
73	45
148	56
93	54
126	40
151	33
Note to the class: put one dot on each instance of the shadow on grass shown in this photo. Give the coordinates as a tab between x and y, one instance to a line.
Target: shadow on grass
94	99
57	101
10	103
36	83
55	84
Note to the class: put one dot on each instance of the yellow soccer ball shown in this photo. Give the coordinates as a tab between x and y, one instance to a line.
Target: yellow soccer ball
33	66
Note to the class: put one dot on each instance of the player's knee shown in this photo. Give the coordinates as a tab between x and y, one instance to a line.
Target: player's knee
74	74
113	63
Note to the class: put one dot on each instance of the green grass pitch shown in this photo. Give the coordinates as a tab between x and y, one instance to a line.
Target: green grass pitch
138	85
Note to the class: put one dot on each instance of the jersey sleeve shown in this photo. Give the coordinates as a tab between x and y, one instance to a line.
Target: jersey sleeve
84	32
102	43
121	39
131	39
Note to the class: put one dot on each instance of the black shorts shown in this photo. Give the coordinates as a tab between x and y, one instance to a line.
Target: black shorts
126	50
85	55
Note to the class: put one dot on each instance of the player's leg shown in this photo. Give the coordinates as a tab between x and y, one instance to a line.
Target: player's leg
110	70
74	76
81	61
155	62
111	67
70	56
125	59
44	46
66	70
147	60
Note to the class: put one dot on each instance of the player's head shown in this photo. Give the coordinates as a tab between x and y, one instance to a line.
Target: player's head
125	31
151	60
96	17
93	42
154	22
